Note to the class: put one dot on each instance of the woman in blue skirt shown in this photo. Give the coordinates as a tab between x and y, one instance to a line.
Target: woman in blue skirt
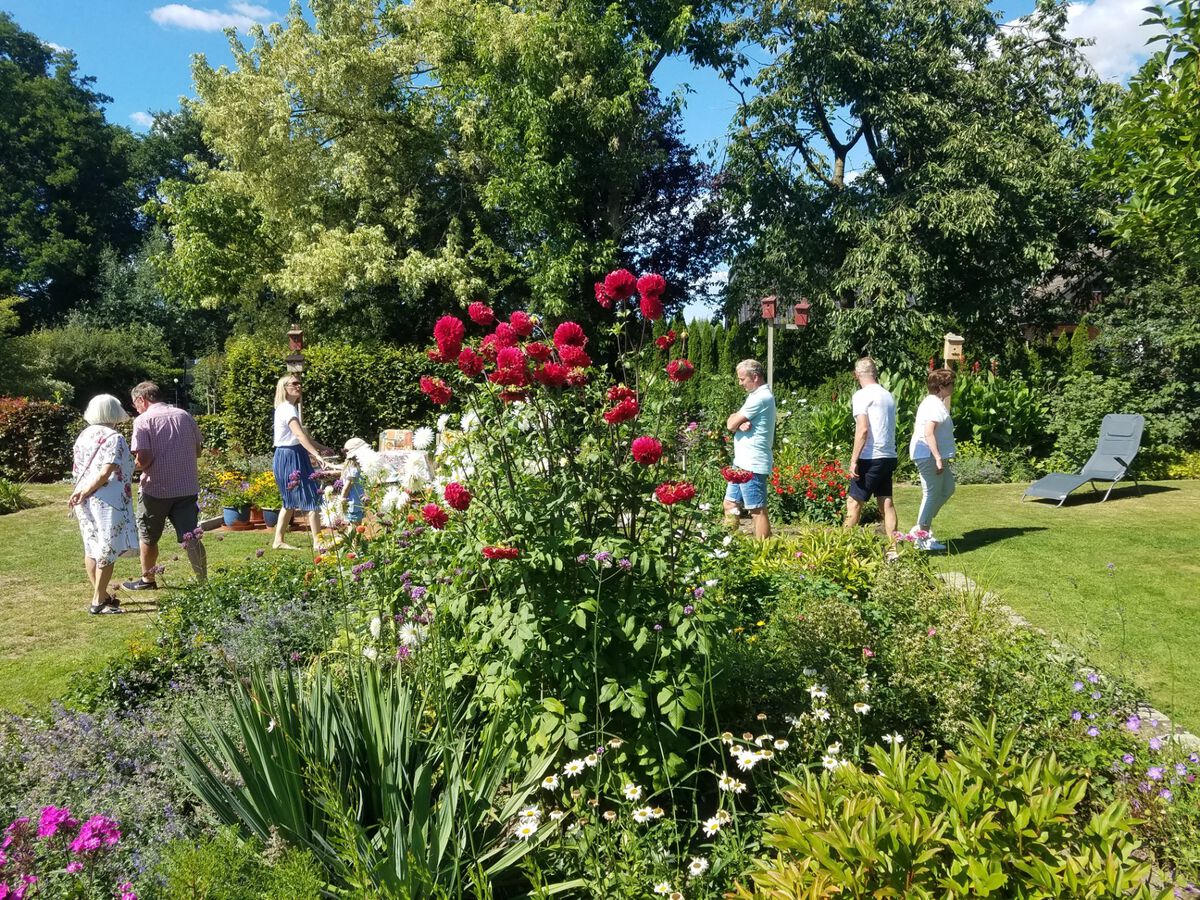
292	466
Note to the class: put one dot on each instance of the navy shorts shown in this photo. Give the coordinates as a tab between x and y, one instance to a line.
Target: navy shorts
874	478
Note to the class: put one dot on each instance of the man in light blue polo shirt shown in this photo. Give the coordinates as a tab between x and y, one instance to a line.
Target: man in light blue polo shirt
753	428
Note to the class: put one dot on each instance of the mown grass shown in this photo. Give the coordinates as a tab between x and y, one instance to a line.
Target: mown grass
1139	618
47	634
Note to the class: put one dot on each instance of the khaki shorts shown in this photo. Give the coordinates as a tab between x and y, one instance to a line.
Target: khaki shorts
154	513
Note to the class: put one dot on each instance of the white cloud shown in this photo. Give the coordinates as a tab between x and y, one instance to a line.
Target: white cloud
141	119
1120	47
180	15
57	48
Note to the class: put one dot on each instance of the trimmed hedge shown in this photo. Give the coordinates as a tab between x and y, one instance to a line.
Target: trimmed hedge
349	391
36	439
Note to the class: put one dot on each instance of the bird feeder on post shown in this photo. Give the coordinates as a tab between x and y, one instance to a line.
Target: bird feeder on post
769	313
952	348
801	313
295	357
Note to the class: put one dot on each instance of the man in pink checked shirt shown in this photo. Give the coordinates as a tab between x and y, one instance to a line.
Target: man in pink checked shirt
166	442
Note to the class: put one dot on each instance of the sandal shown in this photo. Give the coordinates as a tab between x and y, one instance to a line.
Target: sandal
104	610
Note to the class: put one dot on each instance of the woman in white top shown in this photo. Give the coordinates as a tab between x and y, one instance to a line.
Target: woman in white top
102	499
931	448
292	465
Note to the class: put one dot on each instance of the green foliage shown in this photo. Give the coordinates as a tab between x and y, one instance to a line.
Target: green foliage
36	437
227	867
393	795
1186	465
976	464
984	821
974	137
1145	149
66	187
1078	408
13	497
102	360
349	391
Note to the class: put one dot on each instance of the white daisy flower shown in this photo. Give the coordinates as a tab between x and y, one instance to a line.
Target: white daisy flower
862	708
411	635
698	866
632	792
818	691
574	767
781	745
468	421
676	895
726	737
711	826
550	782
530	812
614	743
712	582
557	815
829	762
657	812
642	814
705	507
442	420
822	714
663	887
765	754
591	760
835	748
527	829
610	815
865	686
724	817
726	782
747	760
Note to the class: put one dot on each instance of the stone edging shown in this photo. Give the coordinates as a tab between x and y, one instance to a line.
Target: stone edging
959	582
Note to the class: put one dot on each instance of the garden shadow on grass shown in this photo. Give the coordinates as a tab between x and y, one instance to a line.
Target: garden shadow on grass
981	537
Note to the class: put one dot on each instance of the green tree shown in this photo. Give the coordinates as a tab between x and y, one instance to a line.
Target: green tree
378	163
66	189
1147	148
905	162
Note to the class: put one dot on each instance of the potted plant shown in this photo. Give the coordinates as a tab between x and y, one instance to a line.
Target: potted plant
264	494
235	498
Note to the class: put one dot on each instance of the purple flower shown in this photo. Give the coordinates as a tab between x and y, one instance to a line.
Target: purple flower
295	656
1091	717
1155	744
1127	759
688	610
698	593
1180	769
53	818
657	626
1194	757
74	866
625	564
1076	716
1095	695
1077	686
1093	732
403	653
603	557
418	592
1093	678
1155	773
1133	723
1166	794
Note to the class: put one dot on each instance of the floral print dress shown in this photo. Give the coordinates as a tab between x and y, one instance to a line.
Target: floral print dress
106	517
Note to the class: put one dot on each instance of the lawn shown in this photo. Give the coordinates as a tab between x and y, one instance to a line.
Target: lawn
44	596
1140	617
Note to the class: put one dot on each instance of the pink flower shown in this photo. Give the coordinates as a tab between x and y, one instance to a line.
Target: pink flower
569	334
622	412
651	285
620	284
436	389
470	363
505	336
552	375
647	450
538	351
868	652
435	517
521	323
575	357
449	333
511	358
672	492
457	497
602	296
74	867
652	308
55	818
97	833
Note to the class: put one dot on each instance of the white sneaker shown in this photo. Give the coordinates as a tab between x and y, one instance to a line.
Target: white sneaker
931	544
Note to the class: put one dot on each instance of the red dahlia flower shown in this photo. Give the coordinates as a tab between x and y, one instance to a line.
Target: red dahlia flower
438	355
602	296
449	333
538	351
622	412
501	552
521	323
666	342
620	284
488	347
671	492
575	357
652	308
577	378
734	475
457	496
434	516
481	314
680	370
647	450
511	358
552	375
569	334
505	335
619	392
651	285
436	389
511	377
470	363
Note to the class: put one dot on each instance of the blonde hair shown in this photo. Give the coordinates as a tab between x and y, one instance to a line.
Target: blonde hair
104	409
867	366
280	390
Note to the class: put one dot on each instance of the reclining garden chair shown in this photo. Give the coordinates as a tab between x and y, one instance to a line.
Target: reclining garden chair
1120	439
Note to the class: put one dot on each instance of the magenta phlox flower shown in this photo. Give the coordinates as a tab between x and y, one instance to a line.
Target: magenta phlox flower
127	892
55	819
74	867
97	833
16	833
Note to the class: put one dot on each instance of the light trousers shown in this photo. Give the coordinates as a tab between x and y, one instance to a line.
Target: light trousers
936	489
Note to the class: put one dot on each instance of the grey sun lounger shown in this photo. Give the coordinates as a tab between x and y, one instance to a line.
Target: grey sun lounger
1120	439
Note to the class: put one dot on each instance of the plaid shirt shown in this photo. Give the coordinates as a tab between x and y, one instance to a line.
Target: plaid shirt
167	442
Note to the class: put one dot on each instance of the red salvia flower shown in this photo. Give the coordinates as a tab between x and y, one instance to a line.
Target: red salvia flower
647	450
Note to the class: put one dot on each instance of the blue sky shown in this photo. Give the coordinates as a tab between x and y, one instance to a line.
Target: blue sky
140	51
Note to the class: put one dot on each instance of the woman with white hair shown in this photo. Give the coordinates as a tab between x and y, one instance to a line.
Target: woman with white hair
103	497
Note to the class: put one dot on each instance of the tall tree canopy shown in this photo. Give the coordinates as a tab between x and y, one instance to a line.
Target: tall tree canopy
904	159
1148	147
66	190
436	150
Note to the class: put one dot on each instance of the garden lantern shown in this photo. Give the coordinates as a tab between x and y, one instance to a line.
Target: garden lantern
768	308
295	357
801	310
952	348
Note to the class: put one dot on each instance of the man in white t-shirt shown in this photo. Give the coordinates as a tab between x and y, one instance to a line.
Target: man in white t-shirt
873	459
753	428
